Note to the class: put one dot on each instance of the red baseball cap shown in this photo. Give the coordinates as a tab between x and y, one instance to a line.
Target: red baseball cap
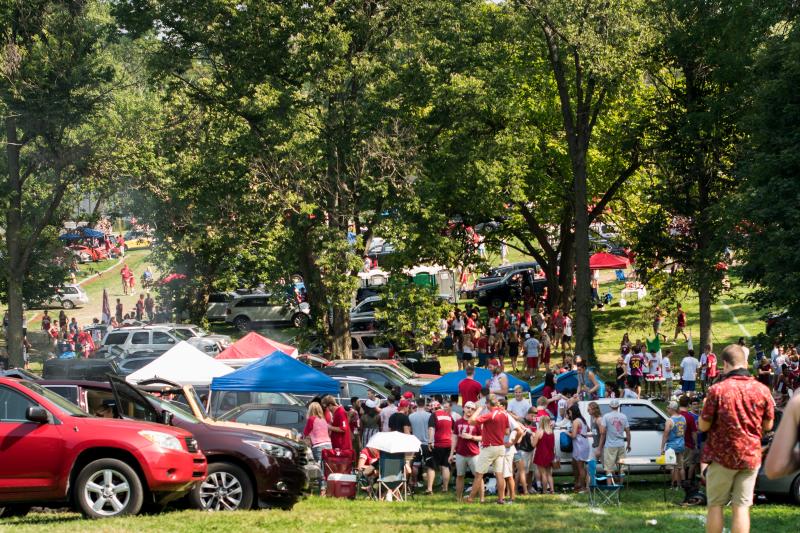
408	395
494	362
403	404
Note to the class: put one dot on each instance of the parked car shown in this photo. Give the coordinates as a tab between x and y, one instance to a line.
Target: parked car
78	368
217	307
127	366
250	310
192	331
138	239
352	386
383	374
365	309
365	345
88	253
246	469
223	401
156	339
266	414
509	288
380	250
54	455
68	297
647	427
786	486
497	273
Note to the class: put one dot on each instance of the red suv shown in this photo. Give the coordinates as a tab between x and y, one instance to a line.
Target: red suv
54	454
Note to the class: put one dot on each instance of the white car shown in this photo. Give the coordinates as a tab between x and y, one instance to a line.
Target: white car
249	310
647	428
218	305
365	309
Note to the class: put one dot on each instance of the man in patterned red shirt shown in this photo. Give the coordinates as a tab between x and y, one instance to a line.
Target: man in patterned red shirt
736	412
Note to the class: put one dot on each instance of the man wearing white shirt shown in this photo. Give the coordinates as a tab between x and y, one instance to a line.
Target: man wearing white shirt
654	366
666	372
518	407
689	366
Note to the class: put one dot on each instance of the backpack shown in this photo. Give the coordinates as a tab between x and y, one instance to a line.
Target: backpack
565	442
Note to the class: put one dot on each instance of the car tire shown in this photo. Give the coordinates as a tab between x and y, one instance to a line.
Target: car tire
497	303
226	488
14	510
99	484
68	304
300	320
242	323
796	490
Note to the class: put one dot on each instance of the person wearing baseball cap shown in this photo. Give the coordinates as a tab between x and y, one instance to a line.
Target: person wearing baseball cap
674	439
399	421
408	395
498	383
615	439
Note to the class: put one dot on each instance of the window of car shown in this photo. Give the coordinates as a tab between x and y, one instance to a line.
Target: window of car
13	405
159	337
69	290
136	364
642	417
286	418
359	390
354	343
62	404
253	416
218	298
69	392
269	397
116	338
132	405
366	307
252	302
182	335
141	337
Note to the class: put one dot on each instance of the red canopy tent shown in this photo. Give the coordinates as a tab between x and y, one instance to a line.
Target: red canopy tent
253	346
606	261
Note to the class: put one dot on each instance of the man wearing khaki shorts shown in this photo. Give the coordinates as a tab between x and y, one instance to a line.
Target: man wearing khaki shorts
494	427
736	412
615	439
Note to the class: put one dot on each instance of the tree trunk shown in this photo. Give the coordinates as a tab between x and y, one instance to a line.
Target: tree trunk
704	294
340	333
584	342
16	266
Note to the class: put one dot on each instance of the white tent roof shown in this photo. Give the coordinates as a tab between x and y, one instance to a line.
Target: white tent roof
184	364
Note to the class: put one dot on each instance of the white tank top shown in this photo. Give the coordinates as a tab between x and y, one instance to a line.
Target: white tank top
494	384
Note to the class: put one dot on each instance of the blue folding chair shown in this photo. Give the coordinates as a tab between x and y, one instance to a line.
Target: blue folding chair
620	275
600	492
392	483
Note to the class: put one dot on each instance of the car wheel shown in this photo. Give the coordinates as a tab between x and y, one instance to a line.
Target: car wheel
68	304
10	511
796	490
227	488
300	320
242	323
107	488
497	303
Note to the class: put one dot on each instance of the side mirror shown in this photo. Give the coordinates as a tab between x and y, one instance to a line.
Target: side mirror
37	414
166	418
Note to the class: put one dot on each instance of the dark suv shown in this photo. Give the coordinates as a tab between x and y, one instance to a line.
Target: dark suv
246	469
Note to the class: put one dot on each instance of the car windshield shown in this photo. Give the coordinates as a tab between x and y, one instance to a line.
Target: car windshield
180	334
65	406
177	410
199	332
403	370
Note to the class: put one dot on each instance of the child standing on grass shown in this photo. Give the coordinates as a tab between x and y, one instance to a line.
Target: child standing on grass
545	453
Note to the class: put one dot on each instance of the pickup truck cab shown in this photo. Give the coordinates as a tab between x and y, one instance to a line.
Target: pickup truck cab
55	455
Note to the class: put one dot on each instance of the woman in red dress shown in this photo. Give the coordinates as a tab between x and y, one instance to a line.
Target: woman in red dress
545	453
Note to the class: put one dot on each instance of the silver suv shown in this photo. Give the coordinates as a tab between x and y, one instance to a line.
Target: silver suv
250	310
155	339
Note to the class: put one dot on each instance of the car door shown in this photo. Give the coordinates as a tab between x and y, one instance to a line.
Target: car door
31	454
256	308
163	341
647	427
132	404
288	419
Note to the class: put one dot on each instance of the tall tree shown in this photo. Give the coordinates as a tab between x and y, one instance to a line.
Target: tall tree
701	77
53	77
315	84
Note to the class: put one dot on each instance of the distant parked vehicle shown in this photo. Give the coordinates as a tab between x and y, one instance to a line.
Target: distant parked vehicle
277	415
217	307
509	288
54	455
250	310
68	297
156	338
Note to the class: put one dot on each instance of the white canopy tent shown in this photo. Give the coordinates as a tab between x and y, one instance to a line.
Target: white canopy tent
183	364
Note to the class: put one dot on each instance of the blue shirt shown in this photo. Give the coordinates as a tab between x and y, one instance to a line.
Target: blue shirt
676	440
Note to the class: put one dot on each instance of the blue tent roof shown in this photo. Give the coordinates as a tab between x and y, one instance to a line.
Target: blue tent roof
448	384
568	380
81	233
277	372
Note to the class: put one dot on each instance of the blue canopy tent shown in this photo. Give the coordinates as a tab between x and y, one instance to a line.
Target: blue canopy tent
68	237
277	372
83	232
448	384
568	380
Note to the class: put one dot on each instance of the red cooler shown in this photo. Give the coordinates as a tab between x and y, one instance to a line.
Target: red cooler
341	486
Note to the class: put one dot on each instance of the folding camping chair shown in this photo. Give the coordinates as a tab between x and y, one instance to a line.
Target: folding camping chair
620	275
392	482
600	492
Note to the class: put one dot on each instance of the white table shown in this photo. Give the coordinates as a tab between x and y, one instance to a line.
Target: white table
646	461
640	293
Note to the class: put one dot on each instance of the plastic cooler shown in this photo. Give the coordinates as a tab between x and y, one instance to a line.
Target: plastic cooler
341	486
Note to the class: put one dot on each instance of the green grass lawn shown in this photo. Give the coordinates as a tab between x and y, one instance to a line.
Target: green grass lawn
433	513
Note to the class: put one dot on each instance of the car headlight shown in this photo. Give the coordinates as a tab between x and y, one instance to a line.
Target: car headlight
270	449
162	440
481	294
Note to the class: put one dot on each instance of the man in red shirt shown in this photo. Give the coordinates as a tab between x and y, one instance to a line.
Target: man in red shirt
339	426
494	426
440	438
469	389
464	448
692	455
736	412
